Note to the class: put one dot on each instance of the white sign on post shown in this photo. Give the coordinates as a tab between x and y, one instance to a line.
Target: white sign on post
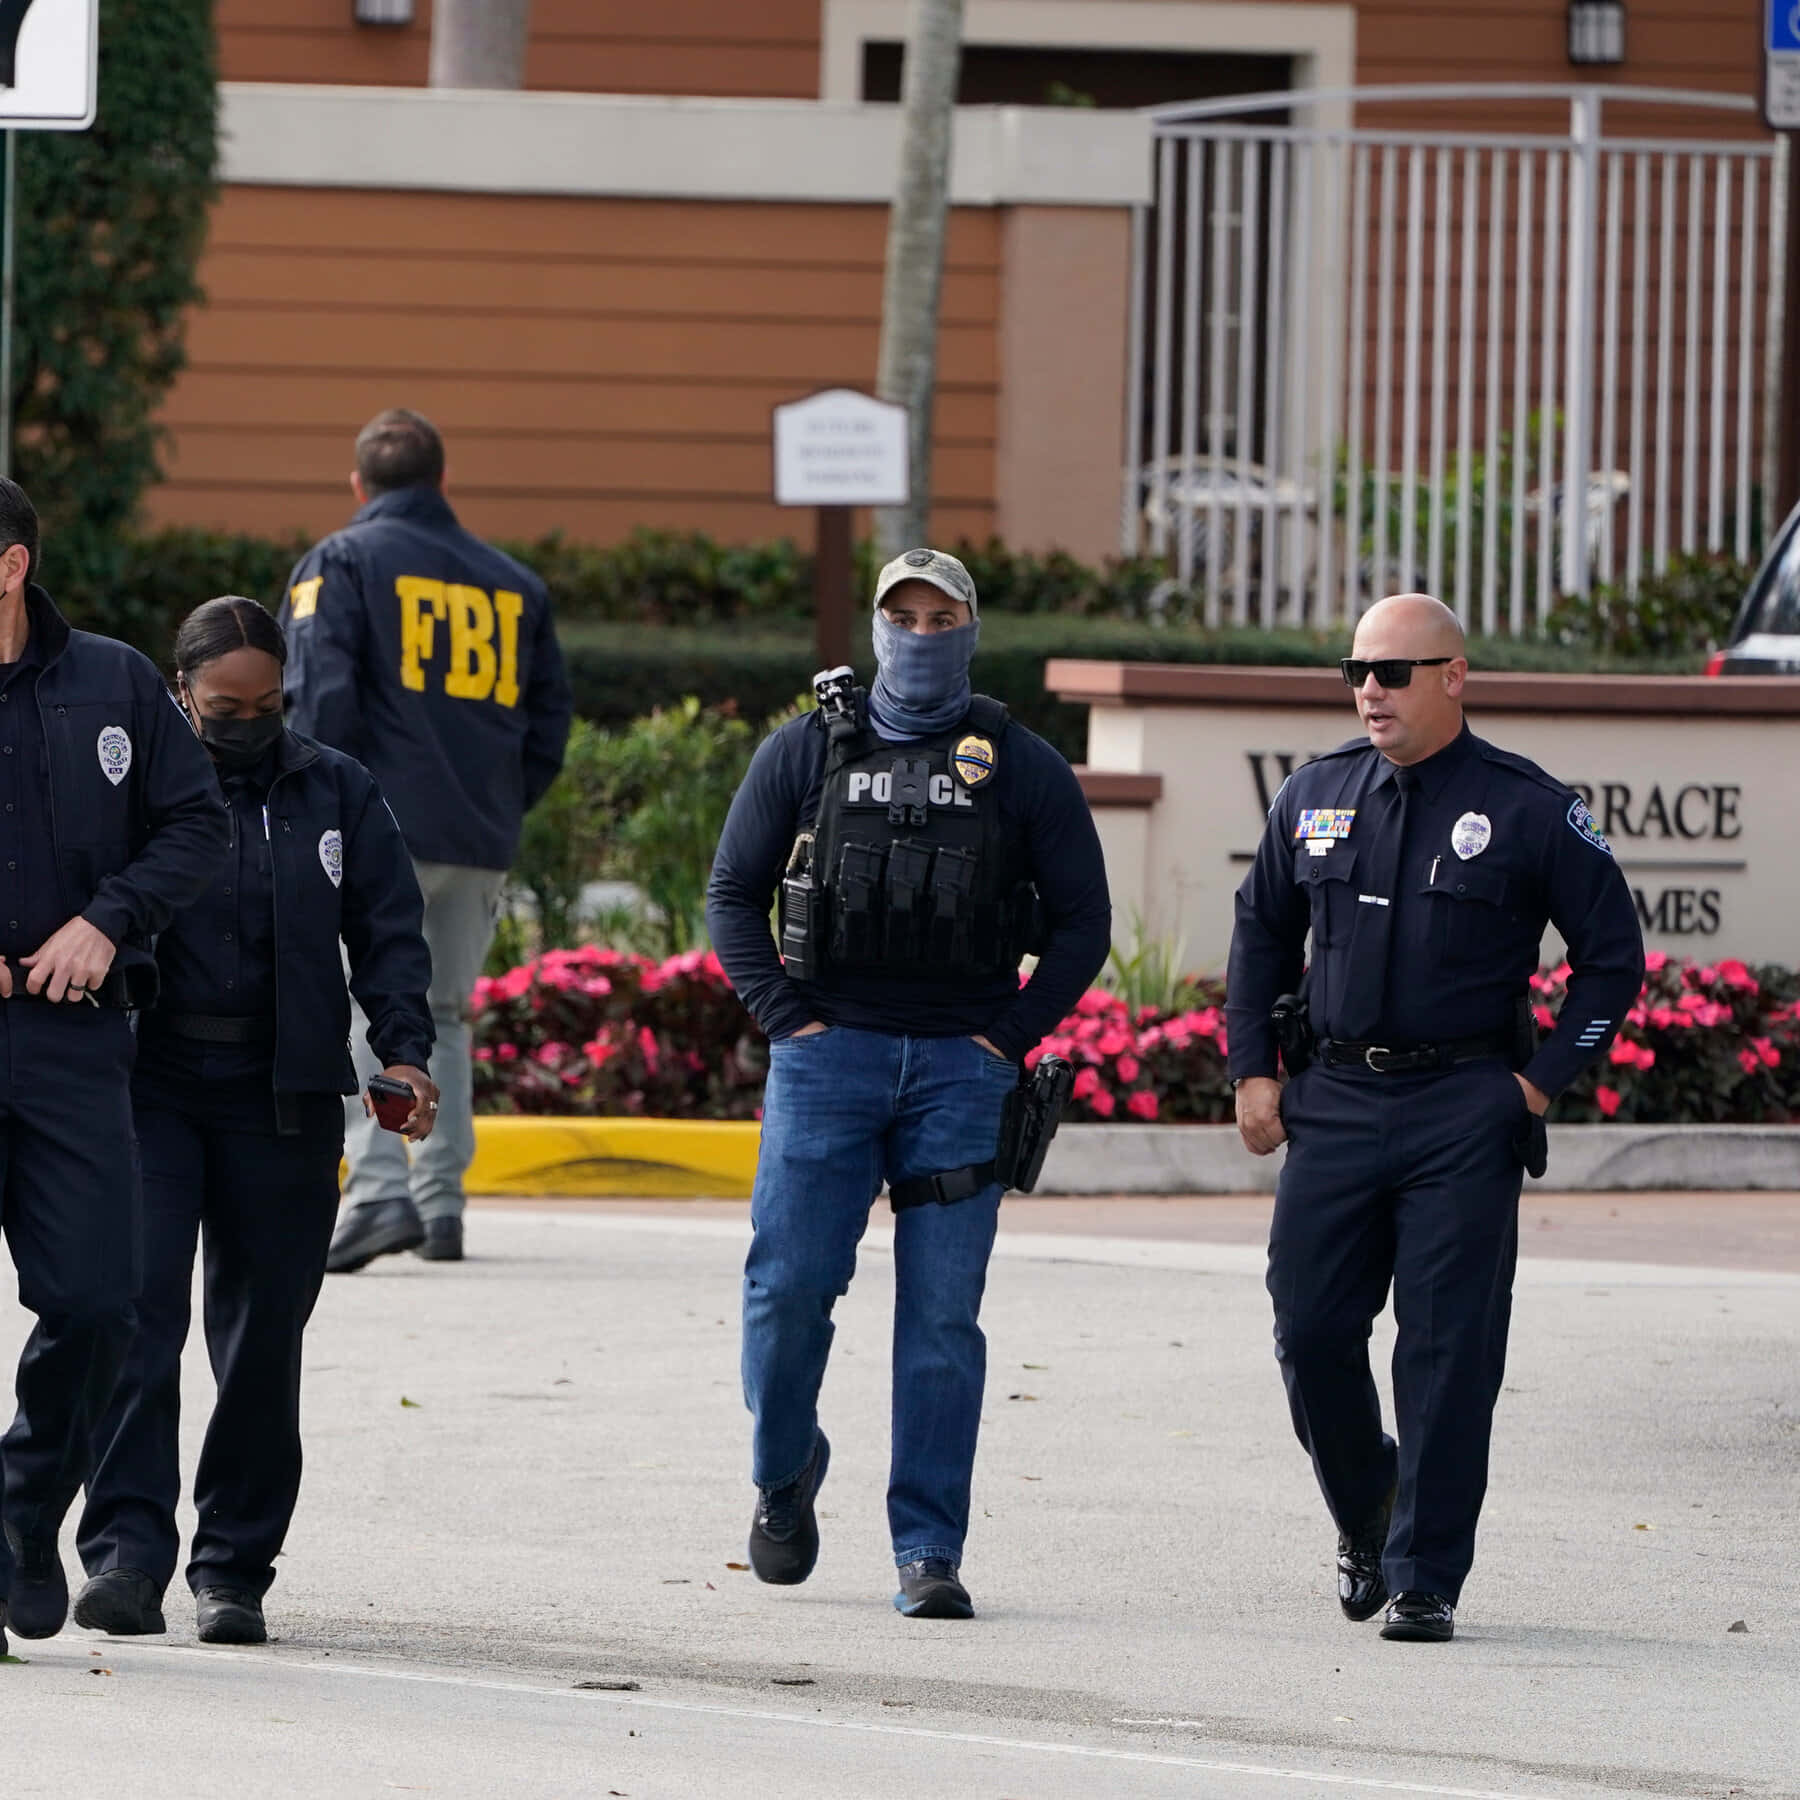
49	61
1781	65
840	448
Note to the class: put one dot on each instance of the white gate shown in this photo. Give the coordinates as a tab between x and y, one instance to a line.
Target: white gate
1498	366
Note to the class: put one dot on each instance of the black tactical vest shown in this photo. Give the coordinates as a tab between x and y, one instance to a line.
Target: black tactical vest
910	863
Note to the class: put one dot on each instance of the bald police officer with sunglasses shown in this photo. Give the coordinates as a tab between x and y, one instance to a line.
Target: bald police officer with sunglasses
1424	863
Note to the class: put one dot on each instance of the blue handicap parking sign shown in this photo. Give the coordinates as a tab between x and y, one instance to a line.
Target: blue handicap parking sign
1783	34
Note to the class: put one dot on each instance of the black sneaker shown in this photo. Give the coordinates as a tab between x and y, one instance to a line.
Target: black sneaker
1419	1618
366	1232
931	1590
39	1604
784	1530
443	1241
1362	1588
122	1603
229	1616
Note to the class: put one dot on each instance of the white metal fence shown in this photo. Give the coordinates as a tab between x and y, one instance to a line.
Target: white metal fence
1498	365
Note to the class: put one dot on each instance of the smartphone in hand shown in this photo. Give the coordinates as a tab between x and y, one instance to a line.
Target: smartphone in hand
393	1102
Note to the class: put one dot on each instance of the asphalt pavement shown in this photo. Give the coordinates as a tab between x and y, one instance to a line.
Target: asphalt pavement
512	1573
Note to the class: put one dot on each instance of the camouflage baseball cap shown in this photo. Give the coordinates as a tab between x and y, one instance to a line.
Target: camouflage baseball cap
944	571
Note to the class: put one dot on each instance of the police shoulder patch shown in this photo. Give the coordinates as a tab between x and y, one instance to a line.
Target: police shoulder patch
973	760
1581	822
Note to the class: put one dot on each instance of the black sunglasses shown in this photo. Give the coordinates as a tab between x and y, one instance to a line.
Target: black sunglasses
1389	671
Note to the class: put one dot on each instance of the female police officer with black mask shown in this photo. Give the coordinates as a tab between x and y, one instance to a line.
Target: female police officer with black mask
239	1119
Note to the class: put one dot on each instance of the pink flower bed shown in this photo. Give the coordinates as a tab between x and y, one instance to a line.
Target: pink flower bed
599	1033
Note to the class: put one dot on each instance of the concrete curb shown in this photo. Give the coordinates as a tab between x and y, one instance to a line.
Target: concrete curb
1209	1159
705	1159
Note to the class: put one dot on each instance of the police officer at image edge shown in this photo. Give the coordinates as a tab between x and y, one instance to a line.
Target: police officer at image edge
431	658
922	843
240	1124
110	823
1425	863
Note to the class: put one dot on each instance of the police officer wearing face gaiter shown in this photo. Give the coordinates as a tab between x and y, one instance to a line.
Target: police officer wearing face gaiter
927	844
240	1126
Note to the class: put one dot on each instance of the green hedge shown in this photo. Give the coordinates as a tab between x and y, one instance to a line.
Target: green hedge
619	672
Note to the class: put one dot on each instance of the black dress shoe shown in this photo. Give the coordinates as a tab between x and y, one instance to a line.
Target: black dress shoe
931	1590
39	1604
784	1529
229	1616
122	1603
1362	1588
1417	1618
378	1229
443	1241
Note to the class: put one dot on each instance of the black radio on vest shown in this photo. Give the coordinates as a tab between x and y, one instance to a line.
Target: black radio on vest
908	862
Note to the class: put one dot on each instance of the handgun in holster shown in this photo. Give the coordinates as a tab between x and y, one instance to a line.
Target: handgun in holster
1294	1034
1028	1122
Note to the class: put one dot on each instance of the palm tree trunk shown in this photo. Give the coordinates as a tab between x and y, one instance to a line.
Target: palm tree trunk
479	43
915	252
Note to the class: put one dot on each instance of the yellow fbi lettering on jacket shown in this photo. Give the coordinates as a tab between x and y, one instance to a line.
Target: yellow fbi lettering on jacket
478	648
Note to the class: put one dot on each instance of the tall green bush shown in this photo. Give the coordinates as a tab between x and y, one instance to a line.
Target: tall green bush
111	222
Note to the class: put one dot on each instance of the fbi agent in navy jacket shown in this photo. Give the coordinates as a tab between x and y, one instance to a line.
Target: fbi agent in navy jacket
237	1095
1424	864
431	658
110	822
928	844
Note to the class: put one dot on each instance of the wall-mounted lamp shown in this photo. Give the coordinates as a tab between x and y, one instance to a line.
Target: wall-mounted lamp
1596	32
384	12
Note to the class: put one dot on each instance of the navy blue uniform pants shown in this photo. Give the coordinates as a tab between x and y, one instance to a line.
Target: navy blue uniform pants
1410	1181
69	1213
265	1203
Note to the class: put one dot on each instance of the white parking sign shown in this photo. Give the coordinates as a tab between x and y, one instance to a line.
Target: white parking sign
49	56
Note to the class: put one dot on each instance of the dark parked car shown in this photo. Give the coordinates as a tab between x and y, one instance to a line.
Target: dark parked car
1765	635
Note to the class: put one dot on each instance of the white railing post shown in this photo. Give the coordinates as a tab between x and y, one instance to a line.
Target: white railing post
1578	359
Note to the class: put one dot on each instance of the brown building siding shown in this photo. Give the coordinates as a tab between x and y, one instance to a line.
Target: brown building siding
717	47
594	364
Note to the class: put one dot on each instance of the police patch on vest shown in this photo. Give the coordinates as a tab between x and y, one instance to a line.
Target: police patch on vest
973	761
1582	821
331	854
114	746
1471	834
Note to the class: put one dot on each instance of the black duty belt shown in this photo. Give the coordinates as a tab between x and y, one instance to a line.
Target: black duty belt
217	1028
1412	1059
113	993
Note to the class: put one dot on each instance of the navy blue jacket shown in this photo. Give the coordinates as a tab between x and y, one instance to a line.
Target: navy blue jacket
136	817
1041	802
432	659
340	870
1493	850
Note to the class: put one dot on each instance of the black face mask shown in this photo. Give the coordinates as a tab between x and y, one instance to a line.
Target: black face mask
238	745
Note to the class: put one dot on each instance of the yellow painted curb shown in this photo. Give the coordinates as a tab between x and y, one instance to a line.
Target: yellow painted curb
671	1159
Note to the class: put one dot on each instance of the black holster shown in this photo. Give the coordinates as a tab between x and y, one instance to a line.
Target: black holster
1294	1034
1028	1122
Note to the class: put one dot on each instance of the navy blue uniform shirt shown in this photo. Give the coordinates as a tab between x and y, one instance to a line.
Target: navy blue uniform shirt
431	658
1493	848
32	911
1040	801
326	874
218	957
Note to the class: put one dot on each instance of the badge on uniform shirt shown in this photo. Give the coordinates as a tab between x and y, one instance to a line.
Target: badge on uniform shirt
1471	834
1323	826
331	854
973	760
114	746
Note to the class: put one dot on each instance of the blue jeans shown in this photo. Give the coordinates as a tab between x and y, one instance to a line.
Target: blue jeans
845	1111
